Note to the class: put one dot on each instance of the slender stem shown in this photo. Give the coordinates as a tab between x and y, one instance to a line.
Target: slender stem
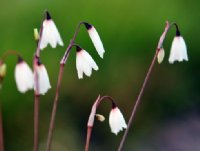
36	122
9	52
89	132
55	103
160	43
36	96
137	101
1	131
54	110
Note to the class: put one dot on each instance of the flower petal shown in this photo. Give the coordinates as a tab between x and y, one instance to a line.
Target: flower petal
23	77
116	121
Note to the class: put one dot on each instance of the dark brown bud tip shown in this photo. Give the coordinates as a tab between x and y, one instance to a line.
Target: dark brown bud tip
20	59
48	16
113	105
78	49
88	26
178	32
37	60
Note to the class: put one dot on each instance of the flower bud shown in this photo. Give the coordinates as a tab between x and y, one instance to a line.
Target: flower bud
2	70
36	34
100	117
161	55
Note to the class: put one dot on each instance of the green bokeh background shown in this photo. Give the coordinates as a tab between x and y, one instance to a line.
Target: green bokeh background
130	30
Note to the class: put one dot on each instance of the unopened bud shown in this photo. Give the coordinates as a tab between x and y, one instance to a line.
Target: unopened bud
36	34
100	117
2	70
160	55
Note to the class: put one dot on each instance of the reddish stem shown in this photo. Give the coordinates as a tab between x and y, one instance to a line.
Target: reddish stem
36	95
160	43
36	122
55	103
54	110
89	132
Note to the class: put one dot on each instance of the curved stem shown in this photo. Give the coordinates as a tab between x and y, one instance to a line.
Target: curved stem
55	103
147	77
64	59
92	117
9	52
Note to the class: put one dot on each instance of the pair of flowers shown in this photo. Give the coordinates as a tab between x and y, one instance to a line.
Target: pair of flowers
24	77
178	50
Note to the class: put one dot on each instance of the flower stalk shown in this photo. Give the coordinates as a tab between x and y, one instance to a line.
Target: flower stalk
61	70
36	94
147	77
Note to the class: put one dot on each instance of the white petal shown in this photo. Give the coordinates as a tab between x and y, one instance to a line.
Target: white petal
23	77
116	121
79	66
178	50
50	35
43	79
84	64
96	41
89	60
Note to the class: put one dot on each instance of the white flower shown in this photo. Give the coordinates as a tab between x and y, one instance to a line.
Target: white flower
50	34
43	79
178	50
116	121
84	63
95	39
23	76
161	55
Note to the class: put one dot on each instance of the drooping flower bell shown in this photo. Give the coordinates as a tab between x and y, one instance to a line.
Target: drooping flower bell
50	34
116	120
178	49
95	39
23	76
84	63
40	73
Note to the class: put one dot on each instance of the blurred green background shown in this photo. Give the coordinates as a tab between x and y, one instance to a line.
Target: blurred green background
168	117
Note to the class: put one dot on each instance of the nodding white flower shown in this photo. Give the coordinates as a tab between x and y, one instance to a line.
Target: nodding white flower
95	39
40	72
50	34
178	50
161	55
23	76
116	121
84	63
